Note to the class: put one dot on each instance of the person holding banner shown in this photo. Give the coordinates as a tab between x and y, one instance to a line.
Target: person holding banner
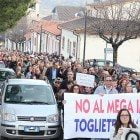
75	89
107	87
124	120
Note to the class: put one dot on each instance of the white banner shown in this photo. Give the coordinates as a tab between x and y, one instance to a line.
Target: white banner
85	79
93	116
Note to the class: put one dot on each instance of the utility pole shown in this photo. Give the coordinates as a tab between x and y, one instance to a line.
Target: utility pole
85	34
40	48
105	53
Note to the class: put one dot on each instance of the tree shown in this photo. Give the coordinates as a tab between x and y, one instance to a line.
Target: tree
11	11
16	34
117	22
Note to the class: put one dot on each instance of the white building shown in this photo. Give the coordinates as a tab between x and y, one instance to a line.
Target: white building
44	37
69	46
123	8
73	31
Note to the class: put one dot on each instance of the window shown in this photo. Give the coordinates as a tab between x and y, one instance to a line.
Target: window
35	41
6	74
74	49
29	94
68	46
53	46
48	45
63	42
56	46
70	49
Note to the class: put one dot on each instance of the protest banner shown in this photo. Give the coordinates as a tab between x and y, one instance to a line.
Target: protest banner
93	116
85	79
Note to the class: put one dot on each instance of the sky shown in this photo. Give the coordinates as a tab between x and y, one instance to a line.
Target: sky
47	5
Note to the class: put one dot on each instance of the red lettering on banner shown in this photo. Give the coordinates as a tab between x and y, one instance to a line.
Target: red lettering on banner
110	107
123	104
130	107
83	106
79	106
117	106
138	106
98	107
86	106
101	106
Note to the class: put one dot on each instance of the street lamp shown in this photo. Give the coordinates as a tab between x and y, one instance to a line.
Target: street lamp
85	34
84	14
40	48
21	40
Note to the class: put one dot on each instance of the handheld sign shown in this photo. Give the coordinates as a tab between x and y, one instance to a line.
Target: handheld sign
85	79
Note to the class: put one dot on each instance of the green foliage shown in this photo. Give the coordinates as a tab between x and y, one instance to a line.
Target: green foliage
11	11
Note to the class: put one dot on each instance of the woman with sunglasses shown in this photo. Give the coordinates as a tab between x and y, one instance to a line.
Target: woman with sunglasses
124	120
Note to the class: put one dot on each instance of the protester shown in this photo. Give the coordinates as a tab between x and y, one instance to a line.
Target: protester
124	120
56	85
133	79
138	86
70	78
129	88
121	85
75	89
52	73
61	74
106	88
88	90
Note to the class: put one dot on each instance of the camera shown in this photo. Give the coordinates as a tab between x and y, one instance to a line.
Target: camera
131	134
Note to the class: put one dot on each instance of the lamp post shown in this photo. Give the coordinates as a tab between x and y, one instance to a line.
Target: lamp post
83	14
40	48
21	41
105	53
85	34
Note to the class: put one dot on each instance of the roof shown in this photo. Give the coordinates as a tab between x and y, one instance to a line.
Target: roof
64	13
47	26
109	2
76	24
51	27
48	18
27	82
28	35
95	24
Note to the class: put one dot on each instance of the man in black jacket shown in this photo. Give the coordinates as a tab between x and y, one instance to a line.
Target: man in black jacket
52	73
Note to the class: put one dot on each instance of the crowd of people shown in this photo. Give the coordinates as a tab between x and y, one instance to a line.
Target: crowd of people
61	74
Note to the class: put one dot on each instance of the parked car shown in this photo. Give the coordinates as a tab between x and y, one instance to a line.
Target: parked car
5	72
102	62
28	110
2	65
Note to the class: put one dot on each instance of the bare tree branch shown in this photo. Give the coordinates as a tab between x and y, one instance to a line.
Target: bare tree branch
117	22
